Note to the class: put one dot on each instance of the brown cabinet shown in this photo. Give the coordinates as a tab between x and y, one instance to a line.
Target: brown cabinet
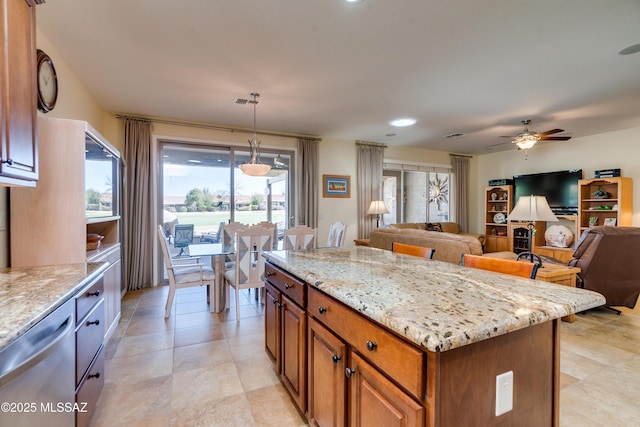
19	158
497	206
613	206
327	381
339	341
89	358
286	331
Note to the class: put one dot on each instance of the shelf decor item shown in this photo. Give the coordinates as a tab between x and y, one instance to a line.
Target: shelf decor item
593	221
610	222
600	194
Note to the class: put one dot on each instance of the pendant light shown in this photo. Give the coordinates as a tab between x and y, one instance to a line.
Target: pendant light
255	167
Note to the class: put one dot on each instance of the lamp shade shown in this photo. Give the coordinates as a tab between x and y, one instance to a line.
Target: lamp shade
532	208
377	207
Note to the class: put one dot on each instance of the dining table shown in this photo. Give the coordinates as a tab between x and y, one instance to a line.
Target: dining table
218	252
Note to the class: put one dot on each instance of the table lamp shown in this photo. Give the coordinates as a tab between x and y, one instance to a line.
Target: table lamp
377	207
531	208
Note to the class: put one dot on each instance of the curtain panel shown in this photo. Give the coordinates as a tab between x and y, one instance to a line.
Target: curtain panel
308	204
138	228
460	169
370	158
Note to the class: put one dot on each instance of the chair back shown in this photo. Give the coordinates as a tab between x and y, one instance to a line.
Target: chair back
183	235
507	266
249	265
608	261
300	237
229	232
402	248
274	228
165	253
337	231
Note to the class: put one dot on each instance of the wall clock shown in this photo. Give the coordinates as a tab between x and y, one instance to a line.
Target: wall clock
47	82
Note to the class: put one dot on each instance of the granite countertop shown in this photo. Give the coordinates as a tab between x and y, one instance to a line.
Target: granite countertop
28	294
437	305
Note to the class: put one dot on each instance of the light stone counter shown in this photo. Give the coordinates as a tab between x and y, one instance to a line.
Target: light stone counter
437	305
28	294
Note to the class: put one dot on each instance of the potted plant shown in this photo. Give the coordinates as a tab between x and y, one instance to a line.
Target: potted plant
593	221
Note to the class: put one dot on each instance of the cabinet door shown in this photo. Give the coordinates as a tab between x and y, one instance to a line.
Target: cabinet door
272	325
376	401
327	382
112	278
18	103
294	350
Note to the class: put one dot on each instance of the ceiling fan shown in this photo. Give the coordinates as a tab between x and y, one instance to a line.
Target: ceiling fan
528	139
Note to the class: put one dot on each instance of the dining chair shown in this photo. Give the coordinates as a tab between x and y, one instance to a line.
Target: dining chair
182	237
337	230
274	227
193	273
300	237
421	251
248	270
228	239
499	265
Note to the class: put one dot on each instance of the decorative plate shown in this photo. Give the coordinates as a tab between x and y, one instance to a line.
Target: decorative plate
499	218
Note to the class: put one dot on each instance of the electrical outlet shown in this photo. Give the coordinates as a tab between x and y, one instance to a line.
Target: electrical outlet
504	393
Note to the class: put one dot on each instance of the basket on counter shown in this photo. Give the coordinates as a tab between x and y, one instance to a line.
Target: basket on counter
93	241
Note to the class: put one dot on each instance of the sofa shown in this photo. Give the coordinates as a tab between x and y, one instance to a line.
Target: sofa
445	227
448	246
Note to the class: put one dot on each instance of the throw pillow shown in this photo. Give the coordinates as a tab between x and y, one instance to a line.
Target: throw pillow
433	226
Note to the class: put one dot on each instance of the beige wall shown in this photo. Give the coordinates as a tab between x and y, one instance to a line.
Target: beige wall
619	149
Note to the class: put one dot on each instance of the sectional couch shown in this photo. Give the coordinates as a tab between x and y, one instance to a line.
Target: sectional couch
448	246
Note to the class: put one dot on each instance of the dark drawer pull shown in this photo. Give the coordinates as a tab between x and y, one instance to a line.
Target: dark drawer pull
336	358
288	286
95	322
94	293
348	372
275	300
280	305
270	273
372	345
322	310
96	375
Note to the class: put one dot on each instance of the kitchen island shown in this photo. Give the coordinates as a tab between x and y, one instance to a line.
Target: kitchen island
362	336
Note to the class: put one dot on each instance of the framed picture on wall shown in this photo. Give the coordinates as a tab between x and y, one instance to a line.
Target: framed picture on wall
610	221
336	186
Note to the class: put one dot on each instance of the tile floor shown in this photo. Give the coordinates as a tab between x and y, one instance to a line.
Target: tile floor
203	369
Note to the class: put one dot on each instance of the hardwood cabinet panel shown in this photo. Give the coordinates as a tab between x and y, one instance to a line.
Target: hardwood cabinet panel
327	381
272	325
294	332
18	104
376	401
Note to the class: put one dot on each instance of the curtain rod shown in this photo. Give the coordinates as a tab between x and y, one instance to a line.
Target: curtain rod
212	127
460	155
373	144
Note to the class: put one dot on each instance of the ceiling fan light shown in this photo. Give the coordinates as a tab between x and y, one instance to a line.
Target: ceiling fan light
524	141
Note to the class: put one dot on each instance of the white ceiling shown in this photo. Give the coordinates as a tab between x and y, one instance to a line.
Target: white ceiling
344	70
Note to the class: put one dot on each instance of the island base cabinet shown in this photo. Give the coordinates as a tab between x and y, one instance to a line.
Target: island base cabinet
376	401
285	342
327	380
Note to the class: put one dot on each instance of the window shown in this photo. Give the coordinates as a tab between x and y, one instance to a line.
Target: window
415	193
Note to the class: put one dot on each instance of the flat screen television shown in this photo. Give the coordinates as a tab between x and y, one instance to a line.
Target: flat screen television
560	188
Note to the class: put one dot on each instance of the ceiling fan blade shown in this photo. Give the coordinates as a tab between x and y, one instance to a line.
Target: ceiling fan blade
506	136
488	147
555	138
549	132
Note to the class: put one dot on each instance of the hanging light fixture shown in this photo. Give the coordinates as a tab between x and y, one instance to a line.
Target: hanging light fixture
526	139
255	167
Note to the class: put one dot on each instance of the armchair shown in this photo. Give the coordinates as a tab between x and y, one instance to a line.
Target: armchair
608	262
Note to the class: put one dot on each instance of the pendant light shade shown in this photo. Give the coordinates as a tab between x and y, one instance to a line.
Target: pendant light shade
255	167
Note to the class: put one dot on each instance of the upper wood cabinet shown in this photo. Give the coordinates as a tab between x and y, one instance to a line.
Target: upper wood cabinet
18	101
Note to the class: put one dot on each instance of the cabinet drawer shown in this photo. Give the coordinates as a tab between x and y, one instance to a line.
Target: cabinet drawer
89	337
399	359
90	390
87	298
289	285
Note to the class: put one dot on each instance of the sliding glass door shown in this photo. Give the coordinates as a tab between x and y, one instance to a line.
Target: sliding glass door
202	185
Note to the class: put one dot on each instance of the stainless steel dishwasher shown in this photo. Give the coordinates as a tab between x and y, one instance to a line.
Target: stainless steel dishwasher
37	373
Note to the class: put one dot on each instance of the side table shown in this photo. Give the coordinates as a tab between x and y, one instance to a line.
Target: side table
361	242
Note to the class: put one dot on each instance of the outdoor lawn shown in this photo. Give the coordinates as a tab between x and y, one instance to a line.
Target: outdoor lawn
208	222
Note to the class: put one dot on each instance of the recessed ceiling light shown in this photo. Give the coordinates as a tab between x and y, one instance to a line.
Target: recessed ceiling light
634	48
194	161
353	1
400	123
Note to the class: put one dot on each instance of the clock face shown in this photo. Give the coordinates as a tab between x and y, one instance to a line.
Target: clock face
47	83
